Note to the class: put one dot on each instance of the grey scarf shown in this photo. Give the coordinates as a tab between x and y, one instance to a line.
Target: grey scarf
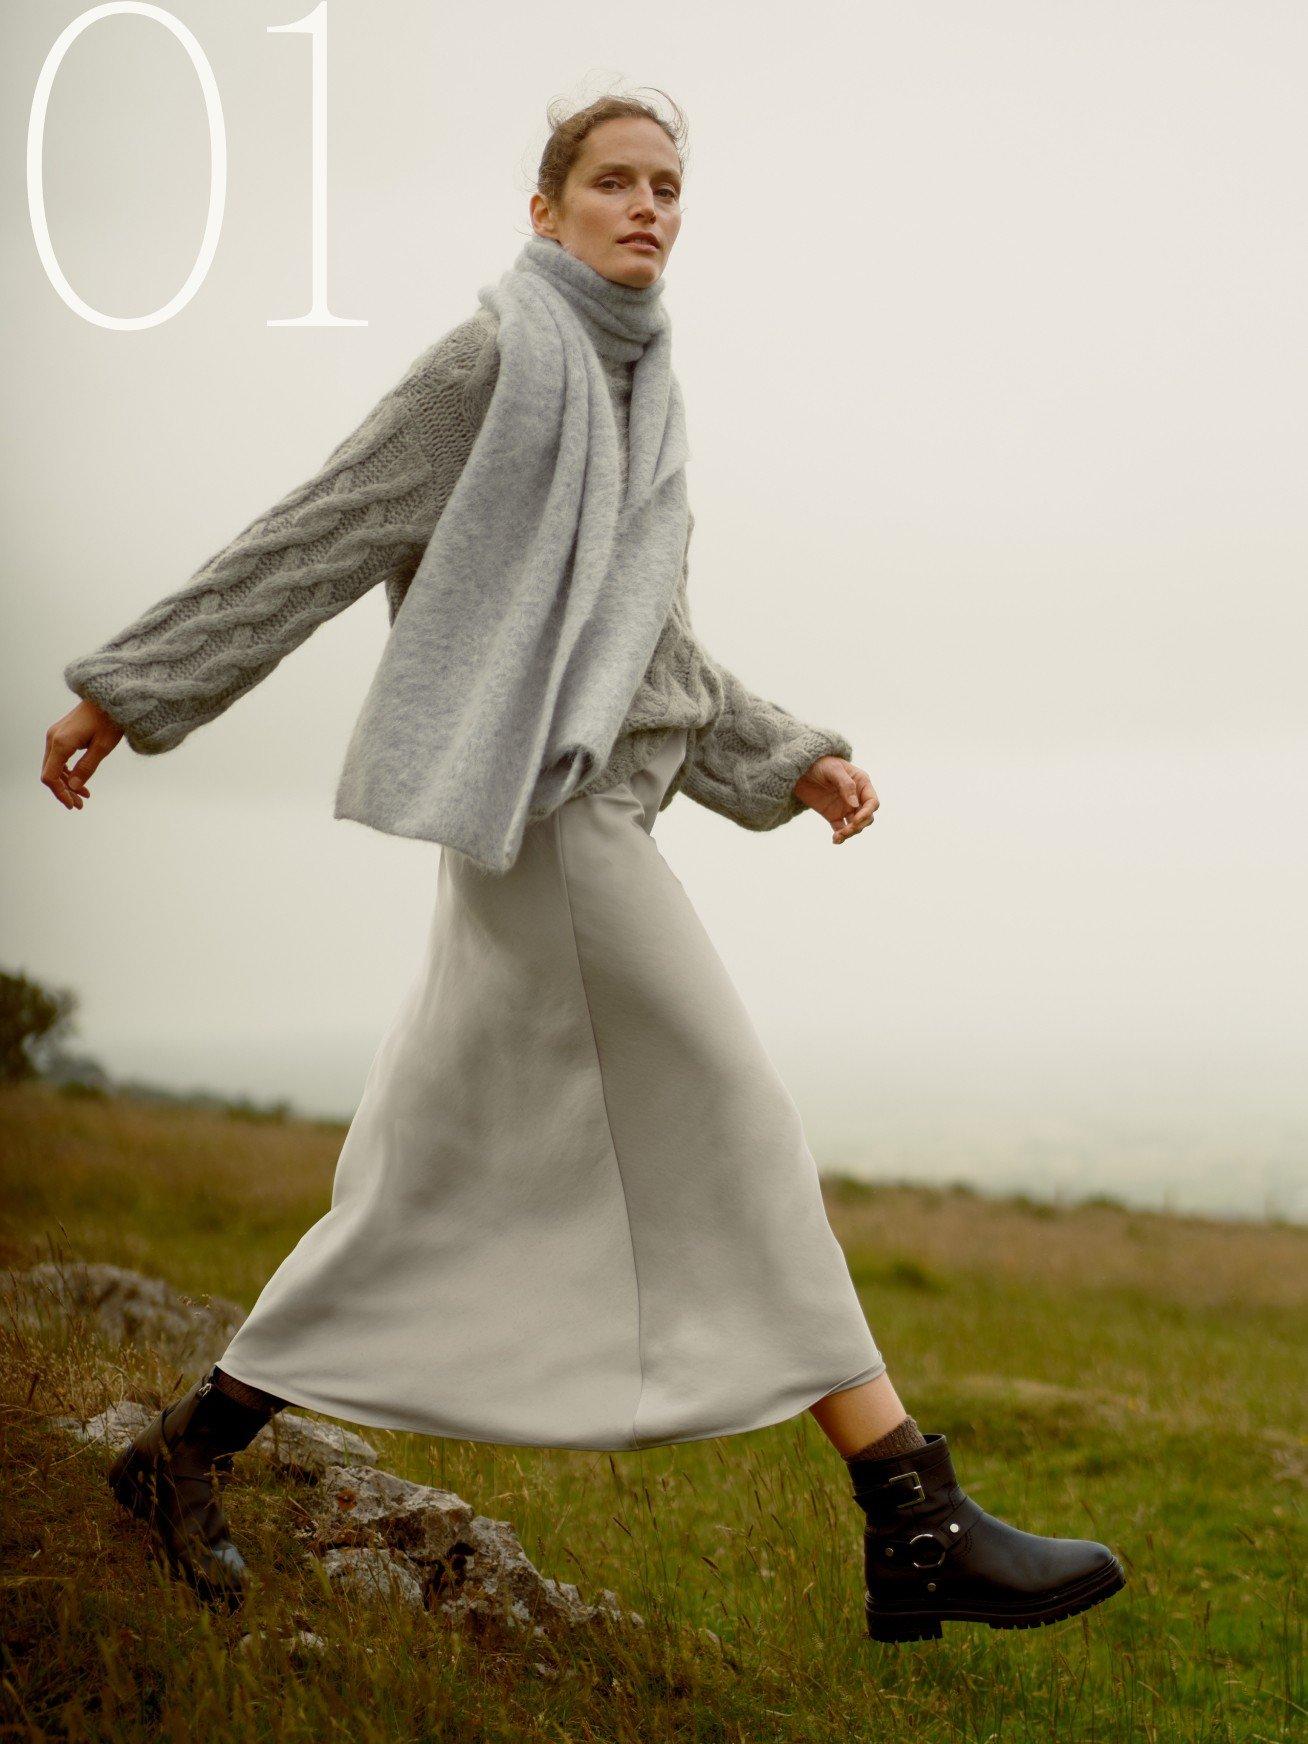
538	602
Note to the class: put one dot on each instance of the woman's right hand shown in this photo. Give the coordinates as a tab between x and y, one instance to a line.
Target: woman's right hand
86	728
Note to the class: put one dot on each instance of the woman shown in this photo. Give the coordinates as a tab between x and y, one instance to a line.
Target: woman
575	1207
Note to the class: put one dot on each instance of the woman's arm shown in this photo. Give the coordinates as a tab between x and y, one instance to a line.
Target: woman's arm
746	762
365	517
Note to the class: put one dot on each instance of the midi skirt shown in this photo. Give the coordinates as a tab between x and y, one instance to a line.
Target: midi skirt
575	1207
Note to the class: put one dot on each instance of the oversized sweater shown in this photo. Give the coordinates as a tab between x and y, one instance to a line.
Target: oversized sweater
365	517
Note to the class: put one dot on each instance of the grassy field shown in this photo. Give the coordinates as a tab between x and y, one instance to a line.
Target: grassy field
1100	1372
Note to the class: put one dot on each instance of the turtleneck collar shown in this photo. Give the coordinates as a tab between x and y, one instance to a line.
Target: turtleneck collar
619	319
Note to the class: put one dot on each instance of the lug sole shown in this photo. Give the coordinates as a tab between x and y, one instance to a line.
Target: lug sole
925	1625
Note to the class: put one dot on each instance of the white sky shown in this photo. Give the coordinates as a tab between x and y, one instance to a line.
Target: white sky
990	323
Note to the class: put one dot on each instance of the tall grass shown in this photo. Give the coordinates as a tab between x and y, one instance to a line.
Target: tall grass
1100	1372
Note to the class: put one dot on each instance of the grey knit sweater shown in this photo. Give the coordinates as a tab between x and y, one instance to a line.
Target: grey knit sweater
366	517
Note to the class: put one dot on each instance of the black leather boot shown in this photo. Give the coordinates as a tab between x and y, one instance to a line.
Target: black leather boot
170	1476
932	1555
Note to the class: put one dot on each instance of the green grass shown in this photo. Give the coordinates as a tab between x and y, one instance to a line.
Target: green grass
1099	1371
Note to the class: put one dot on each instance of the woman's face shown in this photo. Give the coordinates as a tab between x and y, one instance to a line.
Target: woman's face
626	180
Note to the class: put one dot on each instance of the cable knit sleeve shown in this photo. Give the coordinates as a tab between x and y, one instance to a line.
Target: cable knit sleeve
365	517
746	762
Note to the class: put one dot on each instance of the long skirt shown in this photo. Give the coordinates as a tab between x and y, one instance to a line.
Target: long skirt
575	1207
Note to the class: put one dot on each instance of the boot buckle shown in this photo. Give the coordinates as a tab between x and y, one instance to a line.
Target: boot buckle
908	1477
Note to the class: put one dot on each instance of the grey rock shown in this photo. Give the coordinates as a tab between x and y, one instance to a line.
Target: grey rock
367	1505
113	1428
385	1534
380	1533
127	1307
497	1579
298	1638
471	1567
309	1449
373	1574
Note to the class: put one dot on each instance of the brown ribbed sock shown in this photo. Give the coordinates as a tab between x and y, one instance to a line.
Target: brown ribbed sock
253	1398
903	1438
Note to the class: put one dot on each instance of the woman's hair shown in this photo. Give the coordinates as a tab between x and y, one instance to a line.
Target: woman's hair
568	131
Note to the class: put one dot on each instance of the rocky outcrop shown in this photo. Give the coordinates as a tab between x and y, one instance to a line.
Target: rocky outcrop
373	1575
468	1566
113	1428
306	1447
126	1307
379	1538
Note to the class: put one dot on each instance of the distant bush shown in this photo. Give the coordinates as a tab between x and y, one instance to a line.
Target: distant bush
1034	1207
33	1018
234	1107
842	1186
1104	1202
901	1269
247	1110
78	1087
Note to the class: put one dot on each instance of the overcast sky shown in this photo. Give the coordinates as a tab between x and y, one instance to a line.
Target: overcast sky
990	325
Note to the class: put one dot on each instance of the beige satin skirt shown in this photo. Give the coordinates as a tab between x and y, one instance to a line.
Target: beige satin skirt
575	1207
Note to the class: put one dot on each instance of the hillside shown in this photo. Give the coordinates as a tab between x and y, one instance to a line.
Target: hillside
1099	1371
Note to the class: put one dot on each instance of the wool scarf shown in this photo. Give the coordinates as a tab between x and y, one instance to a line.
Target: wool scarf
540	597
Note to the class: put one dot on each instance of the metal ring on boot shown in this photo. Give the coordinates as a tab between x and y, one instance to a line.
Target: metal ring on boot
931	1539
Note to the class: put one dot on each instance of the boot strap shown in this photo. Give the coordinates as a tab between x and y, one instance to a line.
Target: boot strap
905	1494
928	1547
922	1479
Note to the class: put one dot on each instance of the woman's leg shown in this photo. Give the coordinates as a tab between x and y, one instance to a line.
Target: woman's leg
170	1475
859	1419
244	1394
930	1553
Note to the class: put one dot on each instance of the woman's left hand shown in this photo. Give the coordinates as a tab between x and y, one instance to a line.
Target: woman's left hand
841	792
